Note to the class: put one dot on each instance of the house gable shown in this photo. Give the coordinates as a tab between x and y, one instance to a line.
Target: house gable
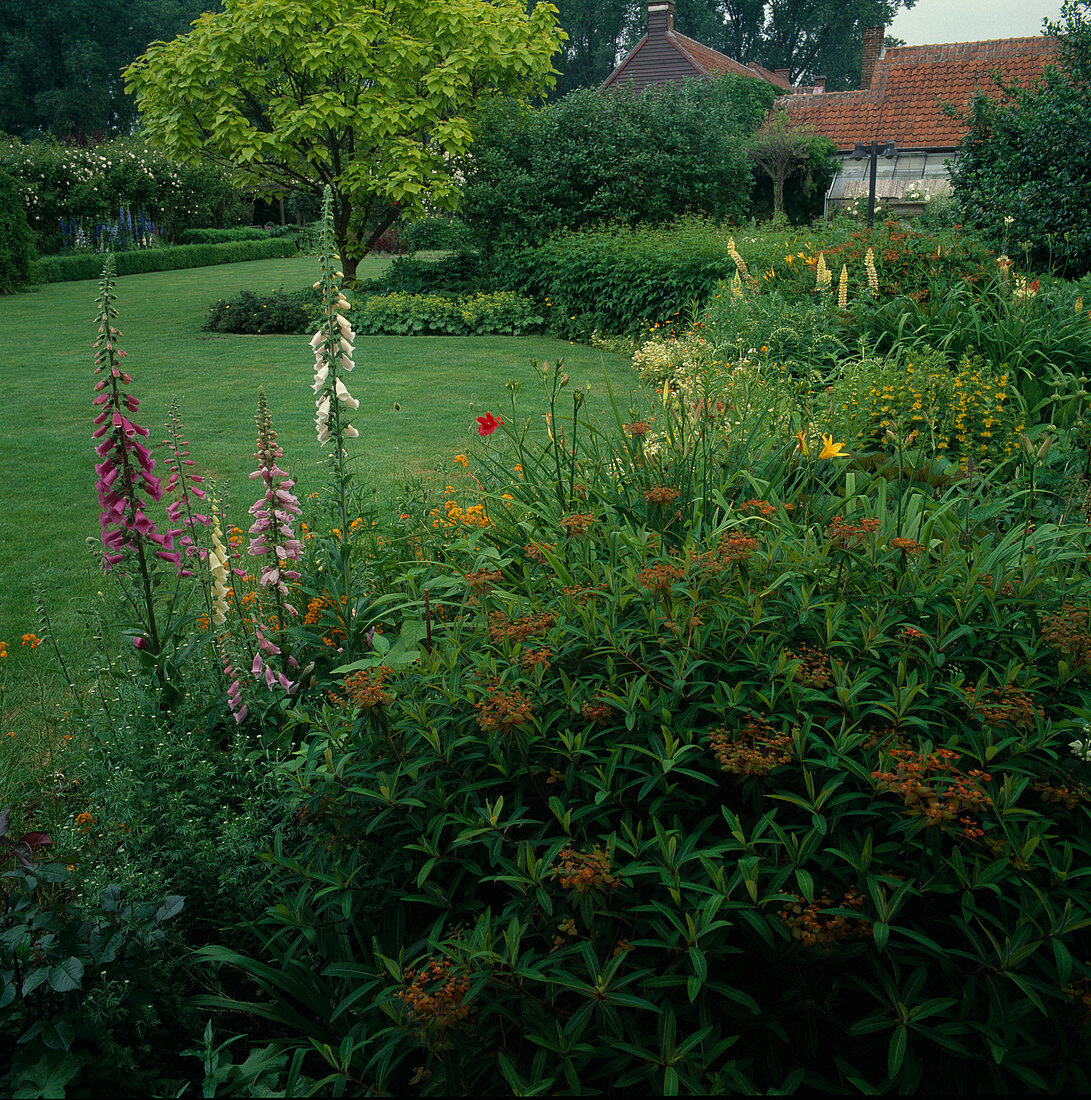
664	56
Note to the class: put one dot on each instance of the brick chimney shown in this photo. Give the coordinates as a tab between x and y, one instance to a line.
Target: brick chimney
819	85
660	17
873	50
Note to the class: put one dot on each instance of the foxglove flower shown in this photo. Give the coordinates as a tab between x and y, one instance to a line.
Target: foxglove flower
187	486
333	350
126	470
272	538
217	568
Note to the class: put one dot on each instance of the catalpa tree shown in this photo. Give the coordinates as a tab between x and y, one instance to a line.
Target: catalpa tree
371	97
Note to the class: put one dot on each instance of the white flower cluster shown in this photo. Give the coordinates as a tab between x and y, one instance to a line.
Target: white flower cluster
1081	747
332	343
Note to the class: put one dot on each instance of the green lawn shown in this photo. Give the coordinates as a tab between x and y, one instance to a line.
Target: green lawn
440	383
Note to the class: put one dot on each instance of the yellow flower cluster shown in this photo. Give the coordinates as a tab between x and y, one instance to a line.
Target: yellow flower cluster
966	411
452	514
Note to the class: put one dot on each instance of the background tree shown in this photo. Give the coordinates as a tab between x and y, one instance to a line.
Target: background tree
370	99
783	151
808	37
1027	157
61	62
591	158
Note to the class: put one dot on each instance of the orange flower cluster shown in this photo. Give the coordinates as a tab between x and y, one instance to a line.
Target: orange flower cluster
934	788
585	871
503	629
537	551
910	548
811	927
1008	705
85	821
504	710
32	640
531	658
661	494
434	995
579	593
1067	632
844	536
761	507
1069	797
599	712
814	670
660	578
365	690
636	429
579	523
986	581
730	550
755	750
483	579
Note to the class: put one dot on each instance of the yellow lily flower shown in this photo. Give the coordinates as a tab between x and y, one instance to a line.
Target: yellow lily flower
831	449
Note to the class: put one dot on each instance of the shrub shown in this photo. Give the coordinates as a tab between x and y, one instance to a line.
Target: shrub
92	183
462	273
224	236
1024	168
717	769
16	239
630	158
60	269
502	313
281	312
619	280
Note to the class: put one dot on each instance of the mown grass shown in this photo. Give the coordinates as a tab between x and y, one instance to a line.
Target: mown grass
50	528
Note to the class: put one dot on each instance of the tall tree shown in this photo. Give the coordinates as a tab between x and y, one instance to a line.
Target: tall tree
371	97
809	38
599	32
61	61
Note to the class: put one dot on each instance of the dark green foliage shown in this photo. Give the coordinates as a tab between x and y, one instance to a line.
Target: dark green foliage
1028	158
591	158
61	269
280	312
619	280
442	234
461	273
74	981
60	63
16	238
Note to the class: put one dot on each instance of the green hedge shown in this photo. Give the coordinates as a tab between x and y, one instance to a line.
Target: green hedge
63	269
500	314
619	280
224	236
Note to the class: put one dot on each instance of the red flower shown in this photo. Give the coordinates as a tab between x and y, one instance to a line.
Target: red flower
487	424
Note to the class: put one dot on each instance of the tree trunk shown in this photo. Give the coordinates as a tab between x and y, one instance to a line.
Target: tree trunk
344	235
778	193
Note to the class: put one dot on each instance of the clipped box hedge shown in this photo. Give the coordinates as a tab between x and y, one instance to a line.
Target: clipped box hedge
224	236
63	269
501	314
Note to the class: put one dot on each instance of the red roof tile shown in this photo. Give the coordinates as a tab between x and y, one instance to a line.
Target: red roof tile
912	83
712	62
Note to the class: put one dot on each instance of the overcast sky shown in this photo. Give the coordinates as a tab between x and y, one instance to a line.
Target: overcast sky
971	20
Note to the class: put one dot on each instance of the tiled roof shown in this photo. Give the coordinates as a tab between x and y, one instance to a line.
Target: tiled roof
912	83
711	61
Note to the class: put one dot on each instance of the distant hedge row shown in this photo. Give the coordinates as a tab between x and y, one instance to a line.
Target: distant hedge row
64	269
